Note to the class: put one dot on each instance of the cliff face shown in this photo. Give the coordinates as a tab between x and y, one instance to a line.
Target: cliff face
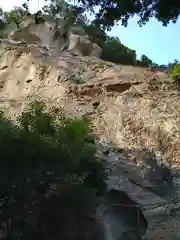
135	113
57	39
24	72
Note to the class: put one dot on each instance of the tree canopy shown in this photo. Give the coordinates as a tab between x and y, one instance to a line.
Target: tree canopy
122	10
111	12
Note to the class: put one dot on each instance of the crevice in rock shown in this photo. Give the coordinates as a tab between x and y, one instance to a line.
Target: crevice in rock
119	87
89	92
29	80
4	67
96	104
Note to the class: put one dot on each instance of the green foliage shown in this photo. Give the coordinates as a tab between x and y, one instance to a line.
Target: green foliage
3	22
110	12
113	49
59	208
45	155
65	14
171	65
175	73
38	17
146	62
116	52
17	16
9	21
96	34
2	27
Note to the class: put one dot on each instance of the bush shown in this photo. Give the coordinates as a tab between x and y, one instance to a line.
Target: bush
175	74
45	154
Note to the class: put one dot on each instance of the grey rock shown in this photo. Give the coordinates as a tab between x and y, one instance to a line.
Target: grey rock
121	217
144	186
89	75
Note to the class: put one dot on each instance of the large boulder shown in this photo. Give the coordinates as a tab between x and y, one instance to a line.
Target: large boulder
96	50
75	40
24	35
82	45
42	33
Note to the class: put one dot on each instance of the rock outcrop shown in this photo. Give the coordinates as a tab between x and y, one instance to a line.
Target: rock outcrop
42	33
135	114
82	46
47	34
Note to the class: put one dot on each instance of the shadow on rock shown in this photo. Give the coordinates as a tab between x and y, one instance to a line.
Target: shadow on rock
158	173
146	179
119	217
143	168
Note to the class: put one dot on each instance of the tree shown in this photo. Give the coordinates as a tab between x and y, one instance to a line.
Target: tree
46	156
61	10
116	52
96	34
112	11
147	62
17	15
65	15
2	20
172	64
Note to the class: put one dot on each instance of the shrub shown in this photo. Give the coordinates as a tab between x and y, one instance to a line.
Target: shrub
175	74
45	154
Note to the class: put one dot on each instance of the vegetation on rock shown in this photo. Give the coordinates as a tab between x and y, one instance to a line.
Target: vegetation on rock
110	12
49	176
146	62
50	180
67	15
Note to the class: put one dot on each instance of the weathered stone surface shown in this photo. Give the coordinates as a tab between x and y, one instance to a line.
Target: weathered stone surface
82	46
57	40
137	121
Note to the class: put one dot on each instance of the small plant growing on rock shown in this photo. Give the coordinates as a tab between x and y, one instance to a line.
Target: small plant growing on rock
175	74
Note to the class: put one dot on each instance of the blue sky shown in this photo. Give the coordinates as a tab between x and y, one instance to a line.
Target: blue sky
161	44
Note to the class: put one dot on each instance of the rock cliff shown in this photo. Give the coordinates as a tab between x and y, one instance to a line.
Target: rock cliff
48	35
135	114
